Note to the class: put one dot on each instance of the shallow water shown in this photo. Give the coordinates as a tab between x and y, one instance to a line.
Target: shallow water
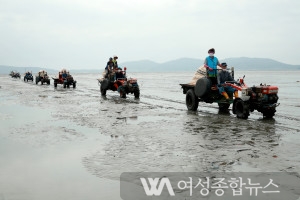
74	144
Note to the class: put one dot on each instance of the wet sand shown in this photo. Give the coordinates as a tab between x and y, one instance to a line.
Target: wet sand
74	144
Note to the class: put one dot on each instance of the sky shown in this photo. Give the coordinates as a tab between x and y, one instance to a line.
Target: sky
83	34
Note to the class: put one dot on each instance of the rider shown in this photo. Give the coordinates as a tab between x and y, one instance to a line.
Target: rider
118	74
115	62
210	63
64	74
224	76
109	66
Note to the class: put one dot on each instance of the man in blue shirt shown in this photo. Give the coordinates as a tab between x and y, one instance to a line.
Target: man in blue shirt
210	63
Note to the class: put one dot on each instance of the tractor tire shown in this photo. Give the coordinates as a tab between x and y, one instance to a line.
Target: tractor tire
224	106
191	100
102	91
202	87
104	84
269	113
137	94
122	93
241	109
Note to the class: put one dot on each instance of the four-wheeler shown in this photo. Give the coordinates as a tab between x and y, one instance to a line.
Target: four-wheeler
64	78
28	77
262	98
43	77
15	74
123	85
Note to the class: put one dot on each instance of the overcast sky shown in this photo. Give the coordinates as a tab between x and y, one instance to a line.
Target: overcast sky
85	33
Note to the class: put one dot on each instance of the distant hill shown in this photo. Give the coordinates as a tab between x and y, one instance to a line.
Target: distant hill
183	64
191	64
7	69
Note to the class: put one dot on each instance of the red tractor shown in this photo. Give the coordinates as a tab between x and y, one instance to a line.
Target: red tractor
262	98
119	83
64	78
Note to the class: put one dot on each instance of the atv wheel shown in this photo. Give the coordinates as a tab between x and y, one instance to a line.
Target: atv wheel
191	100
74	85
55	84
65	85
241	109
24	79
48	82
36	81
269	113
122	92
104	84
102	91
137	94
223	106
68	85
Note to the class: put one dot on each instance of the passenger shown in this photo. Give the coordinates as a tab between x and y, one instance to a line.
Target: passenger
210	63
64	74
224	76
115	62
109	67
119	74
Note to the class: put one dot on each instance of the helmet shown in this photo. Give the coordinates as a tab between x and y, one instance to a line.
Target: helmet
116	57
110	58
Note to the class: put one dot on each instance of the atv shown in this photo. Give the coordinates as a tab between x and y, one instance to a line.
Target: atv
43	77
64	78
28	77
15	74
262	98
123	85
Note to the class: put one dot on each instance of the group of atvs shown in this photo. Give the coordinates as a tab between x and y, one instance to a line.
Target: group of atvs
64	78
262	98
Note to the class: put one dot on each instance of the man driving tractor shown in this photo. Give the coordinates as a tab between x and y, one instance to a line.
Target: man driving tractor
222	77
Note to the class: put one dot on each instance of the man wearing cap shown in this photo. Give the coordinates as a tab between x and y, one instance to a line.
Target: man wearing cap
115	62
109	67
210	63
224	76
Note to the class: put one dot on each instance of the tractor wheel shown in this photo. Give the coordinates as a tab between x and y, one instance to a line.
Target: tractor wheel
122	93
241	109
223	106
137	94
102	91
191	100
269	113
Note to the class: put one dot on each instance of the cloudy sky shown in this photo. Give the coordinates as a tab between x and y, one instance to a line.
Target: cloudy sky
85	33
